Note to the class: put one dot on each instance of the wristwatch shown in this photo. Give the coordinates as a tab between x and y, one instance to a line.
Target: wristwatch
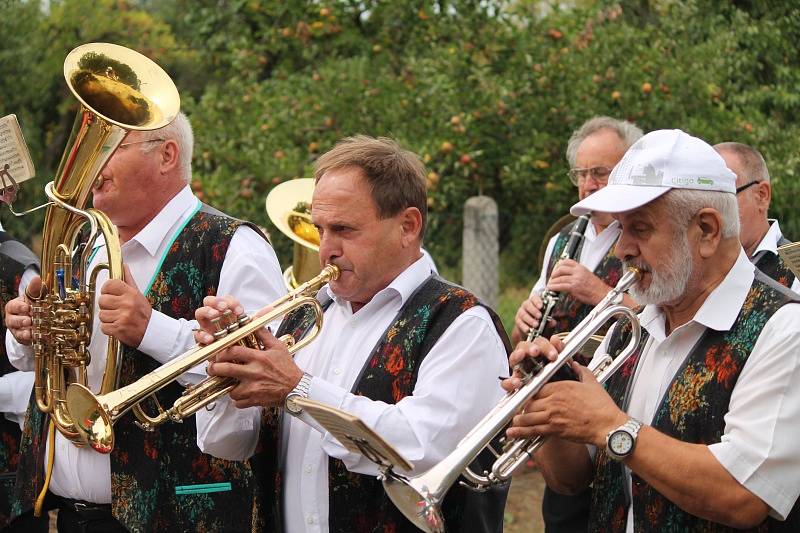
621	441
300	391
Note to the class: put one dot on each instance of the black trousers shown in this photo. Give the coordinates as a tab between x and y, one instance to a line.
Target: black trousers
73	517
566	514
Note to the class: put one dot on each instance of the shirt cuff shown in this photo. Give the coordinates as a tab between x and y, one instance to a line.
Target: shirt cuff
323	392
748	476
161	333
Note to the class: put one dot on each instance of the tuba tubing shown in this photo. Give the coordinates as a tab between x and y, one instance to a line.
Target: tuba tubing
94	415
419	498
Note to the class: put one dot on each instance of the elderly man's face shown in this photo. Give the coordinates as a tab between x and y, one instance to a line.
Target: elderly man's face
753	201
650	241
600	150
125	191
353	236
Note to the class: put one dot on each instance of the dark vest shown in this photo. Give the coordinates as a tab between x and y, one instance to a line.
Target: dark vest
569	311
147	467
15	258
773	265
358	503
692	410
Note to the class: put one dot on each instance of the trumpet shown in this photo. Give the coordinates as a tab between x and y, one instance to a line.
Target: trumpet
94	416
419	498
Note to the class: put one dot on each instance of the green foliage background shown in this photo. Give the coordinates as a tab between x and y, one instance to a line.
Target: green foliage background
486	91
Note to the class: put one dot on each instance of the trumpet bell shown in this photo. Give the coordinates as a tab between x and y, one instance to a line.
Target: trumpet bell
409	494
91	420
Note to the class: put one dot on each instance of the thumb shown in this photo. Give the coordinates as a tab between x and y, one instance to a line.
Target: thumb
128	277
584	374
34	288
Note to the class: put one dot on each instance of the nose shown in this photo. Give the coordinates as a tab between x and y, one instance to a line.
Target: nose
625	248
329	248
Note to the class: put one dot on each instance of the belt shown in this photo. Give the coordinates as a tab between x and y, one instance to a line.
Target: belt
86	509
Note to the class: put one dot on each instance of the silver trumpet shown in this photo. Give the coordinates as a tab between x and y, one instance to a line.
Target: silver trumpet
420	497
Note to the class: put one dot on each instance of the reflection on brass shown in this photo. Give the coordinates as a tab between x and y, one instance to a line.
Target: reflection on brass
107	80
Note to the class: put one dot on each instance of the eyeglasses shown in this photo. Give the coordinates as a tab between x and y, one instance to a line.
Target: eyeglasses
598	174
123	145
746	186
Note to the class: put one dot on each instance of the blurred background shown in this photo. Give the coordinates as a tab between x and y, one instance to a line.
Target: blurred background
487	92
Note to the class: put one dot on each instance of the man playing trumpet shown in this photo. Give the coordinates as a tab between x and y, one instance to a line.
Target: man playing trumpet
695	433
415	357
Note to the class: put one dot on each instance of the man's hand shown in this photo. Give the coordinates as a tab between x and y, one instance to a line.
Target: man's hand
124	311
528	316
265	377
571	277
579	411
18	313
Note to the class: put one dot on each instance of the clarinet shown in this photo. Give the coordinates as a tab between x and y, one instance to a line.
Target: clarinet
551	298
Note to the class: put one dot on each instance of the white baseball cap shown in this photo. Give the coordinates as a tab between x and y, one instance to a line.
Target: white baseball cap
658	162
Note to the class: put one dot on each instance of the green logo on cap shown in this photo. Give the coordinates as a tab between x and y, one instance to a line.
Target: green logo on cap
705	181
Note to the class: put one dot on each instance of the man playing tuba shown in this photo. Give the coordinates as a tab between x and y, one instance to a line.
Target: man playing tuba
177	250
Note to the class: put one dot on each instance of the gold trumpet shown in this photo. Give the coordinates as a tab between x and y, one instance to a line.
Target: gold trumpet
119	90
420	497
94	416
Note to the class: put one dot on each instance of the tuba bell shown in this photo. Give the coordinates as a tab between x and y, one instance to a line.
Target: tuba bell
289	209
119	90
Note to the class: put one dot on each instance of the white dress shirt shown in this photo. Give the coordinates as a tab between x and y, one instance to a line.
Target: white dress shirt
250	272
595	247
769	244
759	445
456	386
16	387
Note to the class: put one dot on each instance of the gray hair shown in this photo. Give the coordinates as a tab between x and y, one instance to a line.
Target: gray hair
180	131
683	204
628	133
753	163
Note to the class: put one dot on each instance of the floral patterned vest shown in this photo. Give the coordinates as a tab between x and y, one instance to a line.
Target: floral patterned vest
148	467
692	410
773	266
14	259
358	503
569	311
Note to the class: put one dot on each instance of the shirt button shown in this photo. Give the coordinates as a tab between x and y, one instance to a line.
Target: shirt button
337	371
310	519
308	469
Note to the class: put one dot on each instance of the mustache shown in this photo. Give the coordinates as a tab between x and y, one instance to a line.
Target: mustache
636	263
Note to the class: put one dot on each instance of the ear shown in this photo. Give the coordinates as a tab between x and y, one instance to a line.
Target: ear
708	224
410	226
170	155
763	194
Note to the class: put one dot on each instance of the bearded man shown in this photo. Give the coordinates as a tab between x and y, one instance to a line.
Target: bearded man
696	431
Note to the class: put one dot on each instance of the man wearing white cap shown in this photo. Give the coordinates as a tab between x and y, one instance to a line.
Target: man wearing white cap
698	430
760	235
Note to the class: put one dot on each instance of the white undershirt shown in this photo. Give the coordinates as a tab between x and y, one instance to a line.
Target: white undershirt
595	247
759	444
456	387
250	271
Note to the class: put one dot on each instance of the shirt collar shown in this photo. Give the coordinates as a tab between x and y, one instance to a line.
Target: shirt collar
770	241
403	285
721	306
591	232
154	233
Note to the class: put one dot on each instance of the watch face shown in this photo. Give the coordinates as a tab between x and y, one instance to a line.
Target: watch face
620	442
290	404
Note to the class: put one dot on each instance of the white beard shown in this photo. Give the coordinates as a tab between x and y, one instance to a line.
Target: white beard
667	283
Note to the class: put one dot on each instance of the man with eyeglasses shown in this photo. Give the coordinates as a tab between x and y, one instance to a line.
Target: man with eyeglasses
760	235
177	251
593	151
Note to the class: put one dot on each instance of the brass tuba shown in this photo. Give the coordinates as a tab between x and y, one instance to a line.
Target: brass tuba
95	414
119	90
289	209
